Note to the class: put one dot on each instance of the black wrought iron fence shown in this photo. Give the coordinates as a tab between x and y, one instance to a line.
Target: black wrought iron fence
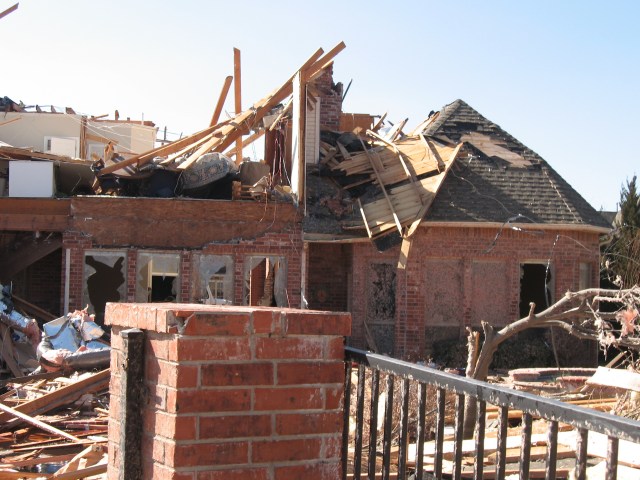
387	427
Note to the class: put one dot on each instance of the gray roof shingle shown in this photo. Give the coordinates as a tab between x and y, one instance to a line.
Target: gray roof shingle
488	189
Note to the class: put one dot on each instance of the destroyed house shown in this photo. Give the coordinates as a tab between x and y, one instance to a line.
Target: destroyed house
418	234
502	229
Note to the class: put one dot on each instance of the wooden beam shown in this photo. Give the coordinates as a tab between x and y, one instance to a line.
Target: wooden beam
248	141
379	123
9	10
241	123
32	421
382	187
237	94
221	99
159	151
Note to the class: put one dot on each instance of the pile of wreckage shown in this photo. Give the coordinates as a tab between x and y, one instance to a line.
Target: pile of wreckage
54	399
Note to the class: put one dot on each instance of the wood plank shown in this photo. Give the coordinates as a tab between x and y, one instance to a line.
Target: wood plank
84	473
9	10
37	461
9	475
537	453
397	221
32	421
64	395
221	99
237	92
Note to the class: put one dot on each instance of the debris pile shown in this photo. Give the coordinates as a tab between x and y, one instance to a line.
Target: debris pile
52	425
53	417
406	171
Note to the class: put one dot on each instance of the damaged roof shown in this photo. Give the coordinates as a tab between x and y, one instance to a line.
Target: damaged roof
492	178
483	188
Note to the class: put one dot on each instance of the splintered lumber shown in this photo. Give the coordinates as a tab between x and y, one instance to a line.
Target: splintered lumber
44	426
407	207
384	191
223	135
63	395
91	456
30	462
221	99
242	121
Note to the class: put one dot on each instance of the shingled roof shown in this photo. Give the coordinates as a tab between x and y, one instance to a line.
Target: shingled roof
483	188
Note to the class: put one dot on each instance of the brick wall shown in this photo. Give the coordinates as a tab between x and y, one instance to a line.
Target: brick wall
77	243
233	392
456	277
329	273
287	245
330	100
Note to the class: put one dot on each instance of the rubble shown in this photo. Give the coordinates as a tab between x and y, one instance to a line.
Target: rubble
47	393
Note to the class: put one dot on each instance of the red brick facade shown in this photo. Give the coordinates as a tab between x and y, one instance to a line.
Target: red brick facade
330	100
234	392
287	245
455	277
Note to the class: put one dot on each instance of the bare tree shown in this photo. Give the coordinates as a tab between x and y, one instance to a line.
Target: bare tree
578	313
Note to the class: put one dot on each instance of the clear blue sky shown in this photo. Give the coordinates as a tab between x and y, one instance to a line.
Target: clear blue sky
561	76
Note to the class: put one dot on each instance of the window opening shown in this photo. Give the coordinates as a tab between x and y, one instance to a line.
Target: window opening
535	286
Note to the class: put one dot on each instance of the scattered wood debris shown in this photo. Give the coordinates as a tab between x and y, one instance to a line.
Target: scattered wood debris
407	172
55	426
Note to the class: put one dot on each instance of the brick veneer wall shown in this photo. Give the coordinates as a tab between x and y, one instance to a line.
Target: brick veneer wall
472	271
233	392
287	245
330	100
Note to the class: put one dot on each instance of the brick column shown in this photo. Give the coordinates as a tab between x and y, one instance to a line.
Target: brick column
233	392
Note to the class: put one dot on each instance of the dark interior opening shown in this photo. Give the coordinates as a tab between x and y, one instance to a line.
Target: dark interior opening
162	289
535	281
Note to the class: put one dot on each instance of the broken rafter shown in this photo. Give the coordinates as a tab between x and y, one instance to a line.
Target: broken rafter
382	187
222	136
221	99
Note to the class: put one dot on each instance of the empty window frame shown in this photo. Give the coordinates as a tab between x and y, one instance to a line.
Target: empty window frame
157	278
214	281
535	286
265	281
104	274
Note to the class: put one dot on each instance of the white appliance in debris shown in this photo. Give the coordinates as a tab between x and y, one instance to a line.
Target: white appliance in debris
31	179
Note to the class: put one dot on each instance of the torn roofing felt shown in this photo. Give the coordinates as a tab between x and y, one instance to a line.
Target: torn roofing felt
492	177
